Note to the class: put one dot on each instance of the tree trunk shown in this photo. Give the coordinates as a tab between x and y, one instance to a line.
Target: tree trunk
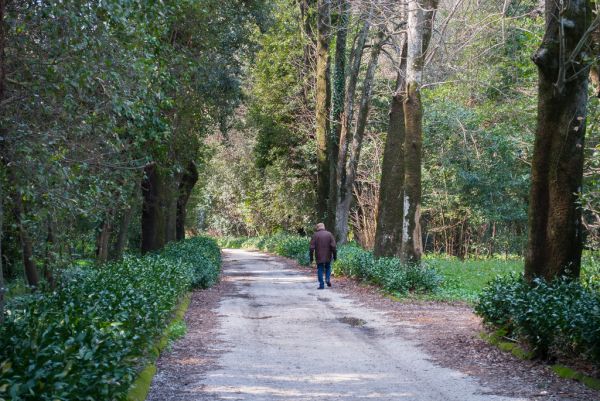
388	234
346	194
348	115
322	107
103	239
419	25
306	14
555	228
121	241
189	179
339	89
153	219
412	248
50	250
171	197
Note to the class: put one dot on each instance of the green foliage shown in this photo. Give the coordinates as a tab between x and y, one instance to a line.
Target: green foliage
86	339
561	315
389	273
261	179
352	261
98	90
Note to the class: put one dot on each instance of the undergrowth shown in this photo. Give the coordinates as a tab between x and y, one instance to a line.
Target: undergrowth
87	339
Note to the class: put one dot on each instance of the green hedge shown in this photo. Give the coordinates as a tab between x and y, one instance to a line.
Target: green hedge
87	339
562	315
352	261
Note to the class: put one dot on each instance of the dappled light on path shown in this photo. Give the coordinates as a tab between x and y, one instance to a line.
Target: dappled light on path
279	338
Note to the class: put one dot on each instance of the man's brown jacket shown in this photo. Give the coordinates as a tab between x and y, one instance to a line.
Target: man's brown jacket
322	247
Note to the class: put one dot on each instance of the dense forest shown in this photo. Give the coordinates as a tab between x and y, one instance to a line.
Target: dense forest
124	125
329	145
463	128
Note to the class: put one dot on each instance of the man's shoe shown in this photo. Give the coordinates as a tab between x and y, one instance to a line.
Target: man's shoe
320	288
329	284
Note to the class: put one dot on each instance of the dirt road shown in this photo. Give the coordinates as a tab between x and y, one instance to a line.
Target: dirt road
276	337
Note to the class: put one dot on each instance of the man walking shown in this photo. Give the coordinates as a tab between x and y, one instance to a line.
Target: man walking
322	251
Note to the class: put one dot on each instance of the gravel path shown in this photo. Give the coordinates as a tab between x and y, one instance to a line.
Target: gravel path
267	333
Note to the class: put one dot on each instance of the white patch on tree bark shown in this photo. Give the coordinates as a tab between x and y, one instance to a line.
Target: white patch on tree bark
405	223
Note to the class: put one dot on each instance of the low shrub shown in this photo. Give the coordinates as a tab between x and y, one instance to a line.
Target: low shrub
388	273
561	315
87	339
352	261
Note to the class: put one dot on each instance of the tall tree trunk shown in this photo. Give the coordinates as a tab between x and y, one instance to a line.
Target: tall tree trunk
388	234
322	107
121	240
348	115
346	195
103	239
153	218
339	89
420	21
555	227
171	197
189	179
307	71
50	251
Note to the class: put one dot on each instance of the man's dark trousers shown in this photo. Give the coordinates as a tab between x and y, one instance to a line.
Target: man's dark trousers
327	267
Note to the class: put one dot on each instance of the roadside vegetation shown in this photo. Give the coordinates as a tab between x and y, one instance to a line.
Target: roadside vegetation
91	335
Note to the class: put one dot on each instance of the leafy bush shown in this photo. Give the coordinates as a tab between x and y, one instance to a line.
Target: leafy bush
389	273
563	314
352	261
85	340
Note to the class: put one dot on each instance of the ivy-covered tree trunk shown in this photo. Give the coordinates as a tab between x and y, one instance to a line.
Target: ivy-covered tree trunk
347	118
322	107
153	216
555	226
189	179
339	89
419	24
346	195
388	234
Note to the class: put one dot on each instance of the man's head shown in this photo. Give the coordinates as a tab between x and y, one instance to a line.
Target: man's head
320	226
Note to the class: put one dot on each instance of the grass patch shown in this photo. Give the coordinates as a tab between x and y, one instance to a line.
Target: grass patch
141	387
498	339
568	373
175	330
464	279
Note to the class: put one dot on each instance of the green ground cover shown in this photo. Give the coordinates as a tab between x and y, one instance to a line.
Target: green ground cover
99	327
